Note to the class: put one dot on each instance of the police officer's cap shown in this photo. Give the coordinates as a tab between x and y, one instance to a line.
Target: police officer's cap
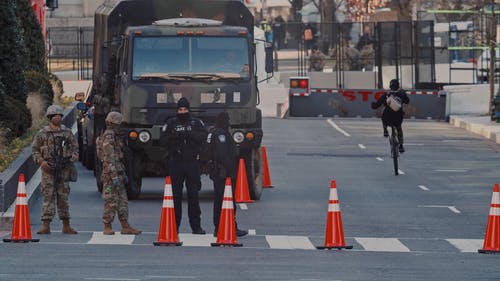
114	118
54	110
183	102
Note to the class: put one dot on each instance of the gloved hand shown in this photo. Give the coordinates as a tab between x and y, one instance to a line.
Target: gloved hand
125	179
116	181
46	167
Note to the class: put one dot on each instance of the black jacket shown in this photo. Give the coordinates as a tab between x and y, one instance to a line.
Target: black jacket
184	140
389	116
222	154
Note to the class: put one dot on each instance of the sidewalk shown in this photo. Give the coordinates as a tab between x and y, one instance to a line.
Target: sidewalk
481	125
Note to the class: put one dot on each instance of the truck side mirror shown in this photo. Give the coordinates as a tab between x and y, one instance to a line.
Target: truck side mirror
269	59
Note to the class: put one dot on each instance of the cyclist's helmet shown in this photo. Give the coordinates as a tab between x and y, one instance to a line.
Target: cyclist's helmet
394	84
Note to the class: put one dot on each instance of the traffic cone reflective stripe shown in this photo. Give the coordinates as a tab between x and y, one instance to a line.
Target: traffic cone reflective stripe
21	229
492	236
334	236
167	234
226	233
242	194
266	177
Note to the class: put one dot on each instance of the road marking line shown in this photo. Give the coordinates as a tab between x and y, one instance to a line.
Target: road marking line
117	239
112	279
329	120
379	159
243	206
169	277
382	244
362	146
401	172
466	245
414	144
452	170
196	240
423	187
289	242
252	232
451	208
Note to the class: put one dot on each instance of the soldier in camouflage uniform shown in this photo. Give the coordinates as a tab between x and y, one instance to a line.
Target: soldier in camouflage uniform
53	148
110	152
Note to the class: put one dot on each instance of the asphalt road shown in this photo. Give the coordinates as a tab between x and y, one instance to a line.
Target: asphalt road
425	224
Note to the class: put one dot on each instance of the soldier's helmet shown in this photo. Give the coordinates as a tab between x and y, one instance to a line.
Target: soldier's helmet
114	118
54	110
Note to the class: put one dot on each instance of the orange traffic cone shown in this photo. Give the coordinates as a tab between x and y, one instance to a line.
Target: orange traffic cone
167	234
334	237
21	229
492	237
226	234
242	194
266	178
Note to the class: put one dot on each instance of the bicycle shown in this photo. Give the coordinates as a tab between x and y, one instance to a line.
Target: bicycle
394	144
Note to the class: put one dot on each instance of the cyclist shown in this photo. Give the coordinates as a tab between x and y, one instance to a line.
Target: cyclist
393	111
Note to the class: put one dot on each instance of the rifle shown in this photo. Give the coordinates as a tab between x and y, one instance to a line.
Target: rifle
58	160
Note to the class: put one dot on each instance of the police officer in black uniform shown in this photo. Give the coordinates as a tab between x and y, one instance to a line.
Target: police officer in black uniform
185	136
389	116
223	163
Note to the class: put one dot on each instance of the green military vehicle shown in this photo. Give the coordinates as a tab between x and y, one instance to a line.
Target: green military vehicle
150	53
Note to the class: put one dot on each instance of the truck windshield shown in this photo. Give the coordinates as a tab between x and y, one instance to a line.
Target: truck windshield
223	57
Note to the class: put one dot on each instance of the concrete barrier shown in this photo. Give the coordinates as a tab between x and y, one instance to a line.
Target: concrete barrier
356	103
468	99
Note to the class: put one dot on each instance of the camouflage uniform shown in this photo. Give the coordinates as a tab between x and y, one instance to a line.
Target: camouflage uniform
114	195
44	149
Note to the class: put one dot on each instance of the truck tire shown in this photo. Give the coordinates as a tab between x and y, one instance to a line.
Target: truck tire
258	119
134	174
253	164
98	173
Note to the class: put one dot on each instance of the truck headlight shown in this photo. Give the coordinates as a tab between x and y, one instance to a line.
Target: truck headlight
238	137
144	136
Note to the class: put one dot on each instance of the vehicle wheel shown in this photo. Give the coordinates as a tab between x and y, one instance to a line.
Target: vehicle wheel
98	173
253	164
134	174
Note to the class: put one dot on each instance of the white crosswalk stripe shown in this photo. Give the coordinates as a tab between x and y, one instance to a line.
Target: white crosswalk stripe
289	242
382	244
371	244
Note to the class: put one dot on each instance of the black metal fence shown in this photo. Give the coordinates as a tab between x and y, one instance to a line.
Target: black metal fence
403	50
71	48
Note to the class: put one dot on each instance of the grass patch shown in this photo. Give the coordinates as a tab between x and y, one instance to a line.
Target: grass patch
9	152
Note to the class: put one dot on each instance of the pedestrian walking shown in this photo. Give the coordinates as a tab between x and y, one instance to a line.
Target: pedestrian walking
54	148
110	151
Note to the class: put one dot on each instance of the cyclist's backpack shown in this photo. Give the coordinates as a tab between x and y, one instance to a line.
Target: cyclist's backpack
394	102
308	34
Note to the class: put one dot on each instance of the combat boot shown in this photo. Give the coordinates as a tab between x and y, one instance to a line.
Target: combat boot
108	230
67	228
127	229
45	228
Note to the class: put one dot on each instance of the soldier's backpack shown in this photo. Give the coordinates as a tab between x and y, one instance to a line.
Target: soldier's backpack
394	102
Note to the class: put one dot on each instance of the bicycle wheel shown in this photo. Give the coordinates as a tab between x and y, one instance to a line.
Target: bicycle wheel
395	157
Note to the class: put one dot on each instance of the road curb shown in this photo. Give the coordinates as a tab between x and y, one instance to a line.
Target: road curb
477	125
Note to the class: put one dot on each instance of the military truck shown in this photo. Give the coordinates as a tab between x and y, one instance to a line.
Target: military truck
150	53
